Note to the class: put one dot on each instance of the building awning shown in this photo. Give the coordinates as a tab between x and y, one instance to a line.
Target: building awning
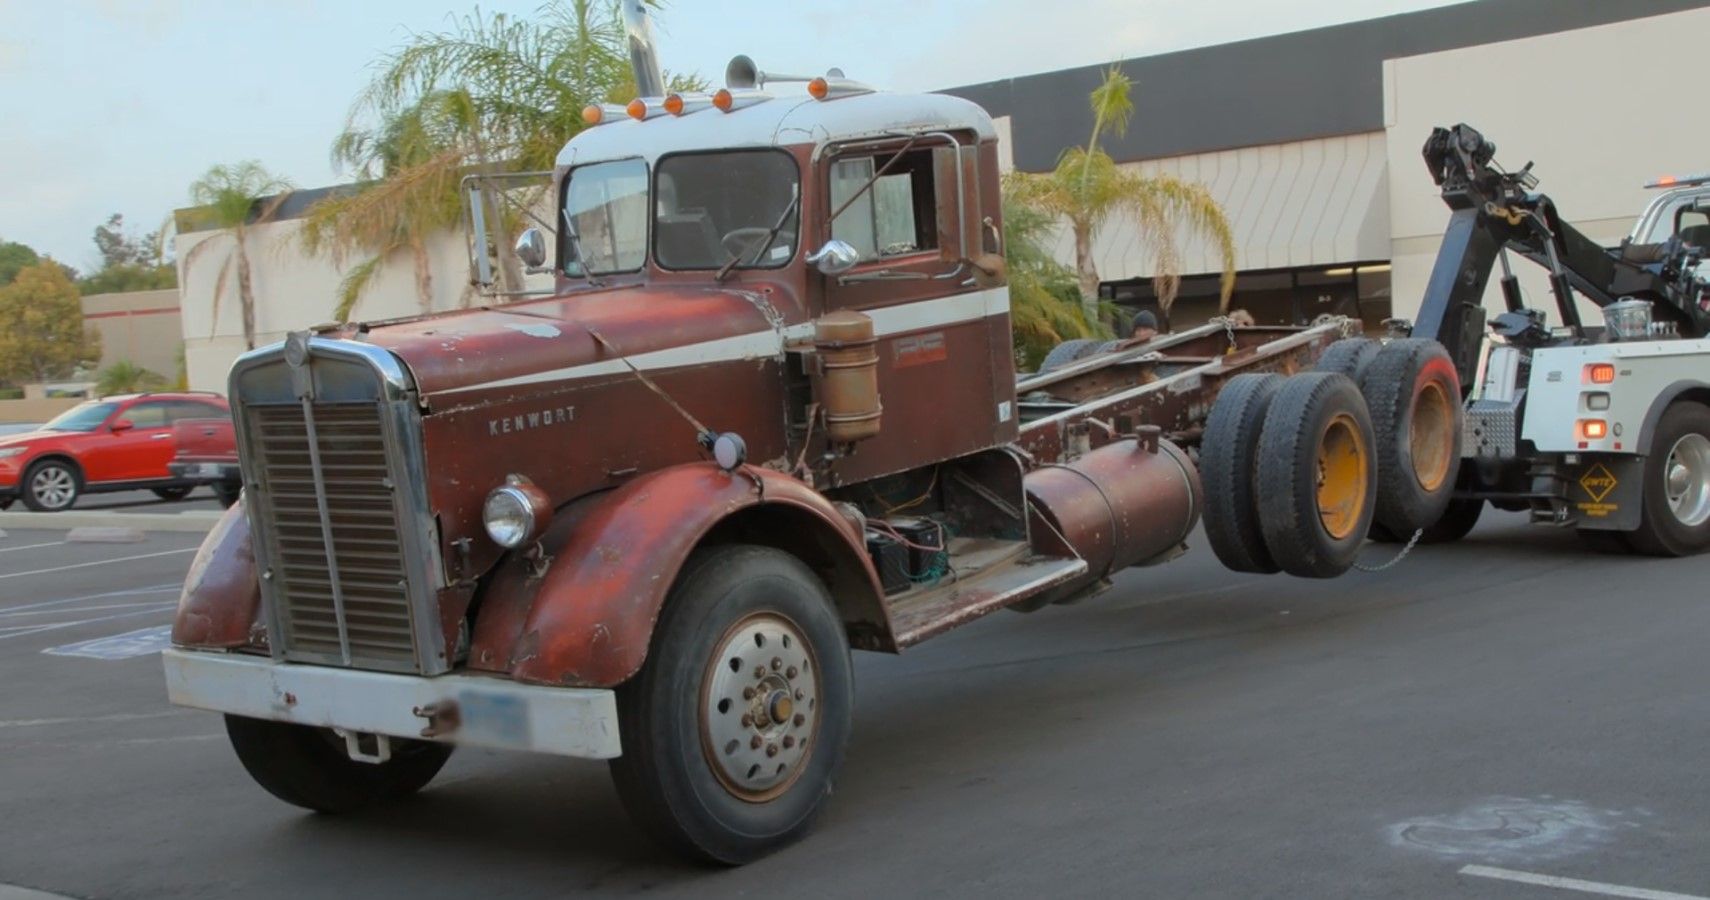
1308	203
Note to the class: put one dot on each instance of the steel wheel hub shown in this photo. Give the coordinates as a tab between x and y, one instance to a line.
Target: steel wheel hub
759	704
1687	479
53	487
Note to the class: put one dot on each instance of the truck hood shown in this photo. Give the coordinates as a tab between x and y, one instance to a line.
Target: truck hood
492	352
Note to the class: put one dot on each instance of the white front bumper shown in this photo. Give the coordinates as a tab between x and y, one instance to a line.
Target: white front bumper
487	711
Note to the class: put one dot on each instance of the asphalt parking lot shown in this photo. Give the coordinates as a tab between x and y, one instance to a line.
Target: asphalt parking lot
1511	703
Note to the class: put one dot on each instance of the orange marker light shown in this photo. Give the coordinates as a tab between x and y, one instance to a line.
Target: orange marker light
1665	181
1600	373
723	100
818	88
1593	429
674	104
638	108
592	115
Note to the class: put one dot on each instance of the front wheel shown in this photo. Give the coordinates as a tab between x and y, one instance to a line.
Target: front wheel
1674	519
735	727
171	494
51	485
227	494
309	767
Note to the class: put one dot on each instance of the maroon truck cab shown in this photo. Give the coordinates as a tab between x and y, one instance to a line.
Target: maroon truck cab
767	413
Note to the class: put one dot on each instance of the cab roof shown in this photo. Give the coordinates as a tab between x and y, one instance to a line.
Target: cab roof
778	122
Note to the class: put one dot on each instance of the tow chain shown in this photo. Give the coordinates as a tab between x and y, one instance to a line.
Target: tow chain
1398	557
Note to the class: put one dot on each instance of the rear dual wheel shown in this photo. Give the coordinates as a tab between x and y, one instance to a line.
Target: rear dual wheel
1316	475
1289	474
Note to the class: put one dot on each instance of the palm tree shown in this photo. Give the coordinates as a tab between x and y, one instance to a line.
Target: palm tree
235	198
1088	188
1044	298
126	377
492	94
410	166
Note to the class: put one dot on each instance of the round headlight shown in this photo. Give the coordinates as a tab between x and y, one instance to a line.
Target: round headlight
514	512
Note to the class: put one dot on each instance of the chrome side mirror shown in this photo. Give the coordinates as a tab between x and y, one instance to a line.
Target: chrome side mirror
835	258
531	248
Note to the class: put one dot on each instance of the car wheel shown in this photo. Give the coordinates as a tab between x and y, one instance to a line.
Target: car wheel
173	493
6	503
51	485
227	494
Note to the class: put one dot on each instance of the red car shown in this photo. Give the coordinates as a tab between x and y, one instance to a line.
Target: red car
119	443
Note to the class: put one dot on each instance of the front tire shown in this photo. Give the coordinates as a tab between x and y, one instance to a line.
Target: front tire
171	494
51	485
227	494
1674	519
736	725
308	767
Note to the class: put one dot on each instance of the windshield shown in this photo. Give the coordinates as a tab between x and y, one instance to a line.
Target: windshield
717	207
84	417
605	210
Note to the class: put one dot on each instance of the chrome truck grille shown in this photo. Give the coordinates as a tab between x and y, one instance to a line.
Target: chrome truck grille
332	469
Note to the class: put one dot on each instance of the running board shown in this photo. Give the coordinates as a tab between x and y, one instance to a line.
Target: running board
1004	576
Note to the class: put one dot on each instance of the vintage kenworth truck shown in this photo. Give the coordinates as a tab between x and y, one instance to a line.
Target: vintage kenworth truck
767	413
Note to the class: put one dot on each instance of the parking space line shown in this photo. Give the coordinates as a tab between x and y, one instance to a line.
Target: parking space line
82	720
1575	884
12	631
33	546
99	562
127	592
81	609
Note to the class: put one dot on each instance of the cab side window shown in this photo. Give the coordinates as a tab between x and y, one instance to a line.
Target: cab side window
1693	226
897	216
147	415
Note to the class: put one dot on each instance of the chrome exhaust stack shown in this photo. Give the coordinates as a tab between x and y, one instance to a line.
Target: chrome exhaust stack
643	52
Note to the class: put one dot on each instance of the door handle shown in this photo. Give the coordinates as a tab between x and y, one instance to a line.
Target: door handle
159	437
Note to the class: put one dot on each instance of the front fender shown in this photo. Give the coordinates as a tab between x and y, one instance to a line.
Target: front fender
221	603
588	620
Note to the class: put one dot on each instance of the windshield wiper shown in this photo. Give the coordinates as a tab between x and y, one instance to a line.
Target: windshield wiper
576	248
771	236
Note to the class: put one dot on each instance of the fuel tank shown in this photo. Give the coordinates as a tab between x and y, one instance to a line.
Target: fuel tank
1131	501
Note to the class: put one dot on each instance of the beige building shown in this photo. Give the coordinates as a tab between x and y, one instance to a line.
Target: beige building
1309	140
142	327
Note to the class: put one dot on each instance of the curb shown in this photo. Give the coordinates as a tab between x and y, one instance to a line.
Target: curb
194	522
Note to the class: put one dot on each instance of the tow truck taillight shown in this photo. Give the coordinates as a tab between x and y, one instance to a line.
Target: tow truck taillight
1600	373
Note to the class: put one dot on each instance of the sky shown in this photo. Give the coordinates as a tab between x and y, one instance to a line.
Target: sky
117	105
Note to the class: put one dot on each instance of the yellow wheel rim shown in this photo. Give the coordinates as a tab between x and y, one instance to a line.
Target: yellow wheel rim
1342	467
1431	437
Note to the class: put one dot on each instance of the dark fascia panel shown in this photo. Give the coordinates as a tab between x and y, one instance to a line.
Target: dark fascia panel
292	206
1288	87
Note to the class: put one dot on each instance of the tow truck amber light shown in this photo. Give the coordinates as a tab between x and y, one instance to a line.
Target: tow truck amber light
674	104
637	109
1600	373
723	100
592	115
819	88
1593	429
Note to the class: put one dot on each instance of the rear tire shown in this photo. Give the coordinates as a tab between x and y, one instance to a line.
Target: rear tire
1349	356
1068	352
172	494
1228	462
737	723
51	485
308	767
1415	400
1316	475
1674	519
